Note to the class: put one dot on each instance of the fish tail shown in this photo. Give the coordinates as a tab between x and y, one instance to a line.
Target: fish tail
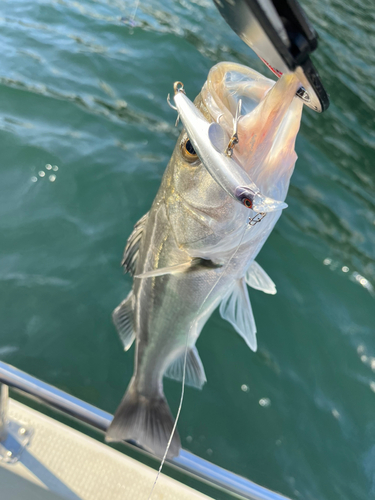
145	421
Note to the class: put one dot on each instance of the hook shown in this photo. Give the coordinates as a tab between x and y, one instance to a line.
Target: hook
173	107
170	104
234	139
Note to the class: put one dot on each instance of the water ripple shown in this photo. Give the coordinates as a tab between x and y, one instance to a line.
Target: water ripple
118	111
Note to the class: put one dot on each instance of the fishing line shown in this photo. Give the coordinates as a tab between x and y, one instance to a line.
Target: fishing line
185	358
135	12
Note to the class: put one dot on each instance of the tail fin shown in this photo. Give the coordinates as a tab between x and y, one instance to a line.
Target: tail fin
148	422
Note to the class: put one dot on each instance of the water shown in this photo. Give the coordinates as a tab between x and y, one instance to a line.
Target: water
84	91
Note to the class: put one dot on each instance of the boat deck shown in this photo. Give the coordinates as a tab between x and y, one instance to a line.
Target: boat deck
74	466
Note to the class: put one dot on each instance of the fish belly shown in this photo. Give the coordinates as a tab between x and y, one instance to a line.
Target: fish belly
169	309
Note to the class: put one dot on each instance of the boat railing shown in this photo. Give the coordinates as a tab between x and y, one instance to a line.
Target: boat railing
99	419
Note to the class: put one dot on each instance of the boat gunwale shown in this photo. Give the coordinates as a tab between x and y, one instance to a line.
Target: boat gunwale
186	461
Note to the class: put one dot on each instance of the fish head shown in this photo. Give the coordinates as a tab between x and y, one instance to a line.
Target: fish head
199	210
264	155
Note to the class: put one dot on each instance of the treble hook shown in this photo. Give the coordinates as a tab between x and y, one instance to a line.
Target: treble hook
173	107
177	87
169	102
234	139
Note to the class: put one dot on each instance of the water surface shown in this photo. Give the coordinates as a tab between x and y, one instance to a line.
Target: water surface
86	134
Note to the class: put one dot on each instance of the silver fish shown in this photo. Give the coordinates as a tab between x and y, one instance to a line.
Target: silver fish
194	251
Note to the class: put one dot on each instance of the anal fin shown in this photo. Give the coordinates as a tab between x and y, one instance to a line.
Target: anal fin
123	319
195	376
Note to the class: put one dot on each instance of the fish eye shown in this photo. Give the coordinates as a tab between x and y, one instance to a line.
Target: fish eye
248	203
188	151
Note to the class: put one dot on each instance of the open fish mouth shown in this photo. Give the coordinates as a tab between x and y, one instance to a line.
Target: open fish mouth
268	125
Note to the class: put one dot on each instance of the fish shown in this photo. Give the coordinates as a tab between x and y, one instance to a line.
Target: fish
195	249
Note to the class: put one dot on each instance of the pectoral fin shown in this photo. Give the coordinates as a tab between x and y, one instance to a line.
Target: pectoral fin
236	308
179	268
194	375
190	265
257	278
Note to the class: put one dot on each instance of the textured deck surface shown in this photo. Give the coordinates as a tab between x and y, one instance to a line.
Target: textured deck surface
14	487
77	467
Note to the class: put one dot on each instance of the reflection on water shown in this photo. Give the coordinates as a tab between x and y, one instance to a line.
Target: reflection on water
353	275
86	134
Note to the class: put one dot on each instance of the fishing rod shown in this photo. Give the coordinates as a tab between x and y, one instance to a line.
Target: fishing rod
279	32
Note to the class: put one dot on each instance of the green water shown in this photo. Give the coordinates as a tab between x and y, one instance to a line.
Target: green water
82	91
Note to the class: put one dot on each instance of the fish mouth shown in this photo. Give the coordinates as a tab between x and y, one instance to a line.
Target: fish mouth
268	126
226	84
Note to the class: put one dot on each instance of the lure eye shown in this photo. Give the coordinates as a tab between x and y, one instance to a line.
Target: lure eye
245	195
188	151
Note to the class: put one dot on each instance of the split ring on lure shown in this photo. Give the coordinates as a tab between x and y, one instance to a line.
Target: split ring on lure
211	143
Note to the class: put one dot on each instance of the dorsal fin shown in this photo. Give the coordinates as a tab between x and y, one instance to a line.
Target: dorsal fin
129	260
